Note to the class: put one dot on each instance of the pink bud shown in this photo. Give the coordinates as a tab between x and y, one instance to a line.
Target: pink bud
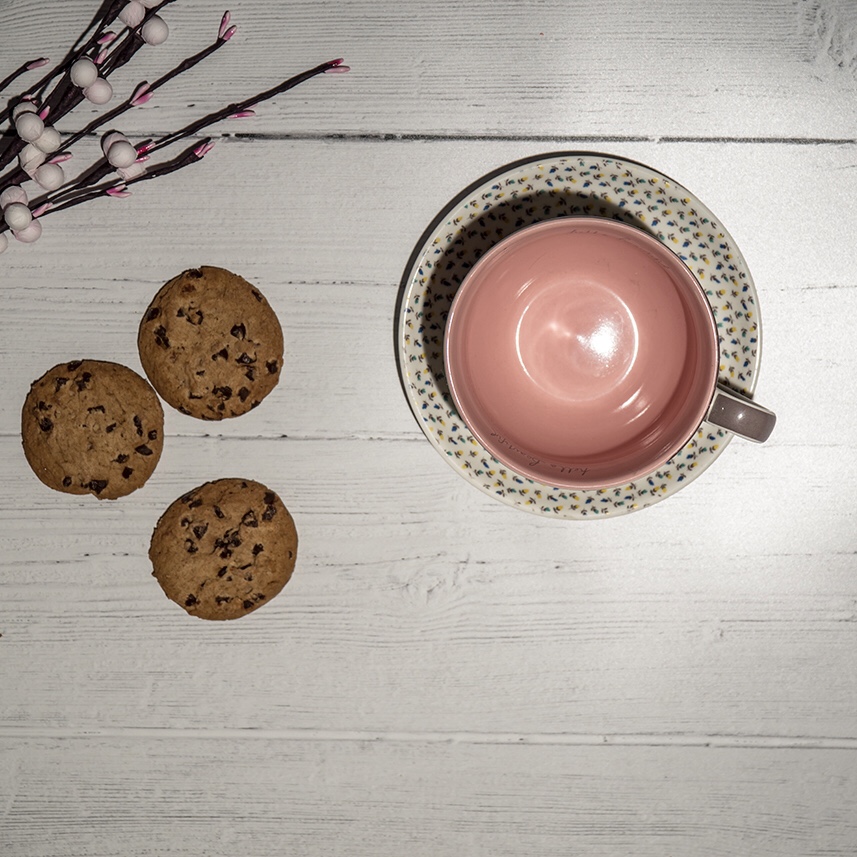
224	23
120	192
107	38
203	149
141	94
229	34
43	113
101	57
142	148
61	158
243	114
338	69
37	63
38	212
337	62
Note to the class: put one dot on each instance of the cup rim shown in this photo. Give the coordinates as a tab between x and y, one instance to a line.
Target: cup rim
551	223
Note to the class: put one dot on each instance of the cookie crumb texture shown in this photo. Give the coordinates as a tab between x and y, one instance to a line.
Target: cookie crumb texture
211	344
92	427
224	549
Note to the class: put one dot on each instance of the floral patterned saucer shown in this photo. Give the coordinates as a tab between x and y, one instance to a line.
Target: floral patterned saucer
556	185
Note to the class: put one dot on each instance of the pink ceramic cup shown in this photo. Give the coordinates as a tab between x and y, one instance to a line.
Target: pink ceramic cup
583	353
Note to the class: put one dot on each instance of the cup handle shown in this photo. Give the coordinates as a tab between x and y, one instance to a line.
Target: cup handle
740	415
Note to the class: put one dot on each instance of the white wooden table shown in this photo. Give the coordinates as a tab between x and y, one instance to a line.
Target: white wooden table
445	675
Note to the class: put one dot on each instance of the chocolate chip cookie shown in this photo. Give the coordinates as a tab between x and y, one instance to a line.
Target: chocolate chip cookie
92	427
211	344
224	549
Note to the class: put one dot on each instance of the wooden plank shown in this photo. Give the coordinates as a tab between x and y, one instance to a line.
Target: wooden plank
190	794
695	68
420	603
329	254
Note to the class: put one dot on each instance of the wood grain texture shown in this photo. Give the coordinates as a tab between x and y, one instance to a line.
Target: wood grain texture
261	797
677	68
444	675
420	604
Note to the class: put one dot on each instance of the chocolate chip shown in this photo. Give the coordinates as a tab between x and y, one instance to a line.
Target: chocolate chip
98	409
153	313
259	596
110	428
222	599
193	316
270	498
239	331
60	382
138	424
121	458
254	405
194	273
257	549
66	481
249	519
222	571
219	512
222	392
98	485
190	547
83	382
126	473
185	522
257	295
247	605
194	504
153	434
272	367
184	410
248	578
269	513
45	424
44	406
161	337
73	365
245	359
190	601
250	374
243	393
143	449
200	530
223	354
201	372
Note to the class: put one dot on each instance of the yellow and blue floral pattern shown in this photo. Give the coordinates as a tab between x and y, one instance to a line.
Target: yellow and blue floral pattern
550	186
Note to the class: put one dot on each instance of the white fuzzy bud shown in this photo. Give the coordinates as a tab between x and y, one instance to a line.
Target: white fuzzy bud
13	193
49	140
29	127
99	91
133	172
24	107
30	158
30	233
17	216
49	176
132	13
155	31
121	154
83	72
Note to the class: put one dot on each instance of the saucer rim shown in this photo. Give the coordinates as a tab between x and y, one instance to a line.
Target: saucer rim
404	294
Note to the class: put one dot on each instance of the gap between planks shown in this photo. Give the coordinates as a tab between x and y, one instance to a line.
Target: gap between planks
556	739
